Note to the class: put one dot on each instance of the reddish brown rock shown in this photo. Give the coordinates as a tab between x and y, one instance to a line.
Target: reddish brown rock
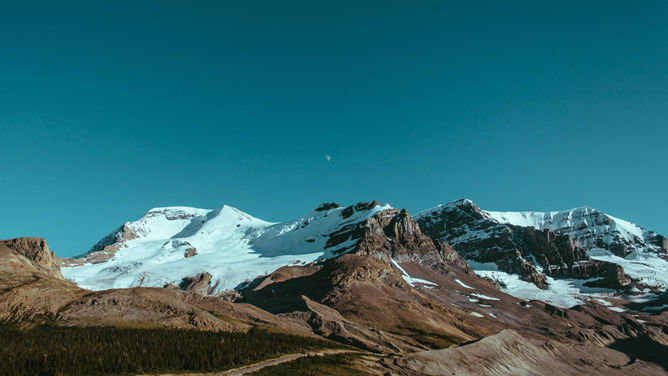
106	248
393	235
190	252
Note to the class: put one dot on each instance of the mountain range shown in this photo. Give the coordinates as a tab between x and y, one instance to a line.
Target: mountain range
570	292
576	252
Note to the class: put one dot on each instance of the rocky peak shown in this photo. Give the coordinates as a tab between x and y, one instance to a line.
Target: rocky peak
360	206
435	220
34	251
531	245
392	234
591	228
199	284
106	248
327	206
171	213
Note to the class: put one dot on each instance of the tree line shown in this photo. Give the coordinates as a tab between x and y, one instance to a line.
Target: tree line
50	350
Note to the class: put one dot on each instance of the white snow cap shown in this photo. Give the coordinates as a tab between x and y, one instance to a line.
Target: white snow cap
233	246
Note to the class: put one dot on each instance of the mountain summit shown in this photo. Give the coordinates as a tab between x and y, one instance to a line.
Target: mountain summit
167	245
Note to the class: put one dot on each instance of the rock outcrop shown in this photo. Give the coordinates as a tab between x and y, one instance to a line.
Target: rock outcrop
393	235
199	284
31	252
190	252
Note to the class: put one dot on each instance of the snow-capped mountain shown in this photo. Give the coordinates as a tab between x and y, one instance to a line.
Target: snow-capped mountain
578	250
554	256
591	228
169	244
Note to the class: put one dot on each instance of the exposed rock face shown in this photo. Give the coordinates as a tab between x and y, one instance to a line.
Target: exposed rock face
31	285
33	251
68	262
590	228
190	252
230	296
198	284
532	253
360	206
413	306
610	276
393	235
106	248
160	252
327	206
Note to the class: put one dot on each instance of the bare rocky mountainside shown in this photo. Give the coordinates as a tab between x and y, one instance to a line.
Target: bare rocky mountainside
456	290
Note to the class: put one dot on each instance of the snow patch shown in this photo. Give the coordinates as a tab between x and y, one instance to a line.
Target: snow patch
410	280
647	267
464	285
484	297
559	292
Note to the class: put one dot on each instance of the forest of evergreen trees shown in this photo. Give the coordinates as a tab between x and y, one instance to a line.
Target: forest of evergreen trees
47	350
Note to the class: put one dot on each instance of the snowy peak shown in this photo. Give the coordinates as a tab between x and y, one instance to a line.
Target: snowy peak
318	231
583	244
593	229
463	204
169	244
178	221
162	222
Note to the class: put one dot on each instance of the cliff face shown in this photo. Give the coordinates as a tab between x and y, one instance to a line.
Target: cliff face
393	235
30	252
533	253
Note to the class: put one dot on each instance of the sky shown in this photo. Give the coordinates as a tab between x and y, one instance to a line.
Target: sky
108	109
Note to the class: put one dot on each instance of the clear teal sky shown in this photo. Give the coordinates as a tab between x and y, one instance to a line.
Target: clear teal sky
109	109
